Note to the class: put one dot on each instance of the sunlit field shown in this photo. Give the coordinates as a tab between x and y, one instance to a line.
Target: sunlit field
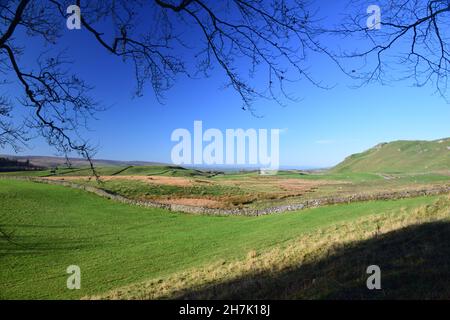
117	245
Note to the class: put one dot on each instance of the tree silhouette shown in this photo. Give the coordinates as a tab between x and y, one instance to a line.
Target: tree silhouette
166	40
413	39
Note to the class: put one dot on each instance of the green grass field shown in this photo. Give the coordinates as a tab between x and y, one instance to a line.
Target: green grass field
116	245
170	171
139	189
240	189
127	251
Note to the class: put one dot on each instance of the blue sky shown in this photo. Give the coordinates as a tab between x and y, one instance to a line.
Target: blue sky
320	130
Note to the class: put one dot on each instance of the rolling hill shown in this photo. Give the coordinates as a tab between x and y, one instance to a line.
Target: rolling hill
48	162
400	157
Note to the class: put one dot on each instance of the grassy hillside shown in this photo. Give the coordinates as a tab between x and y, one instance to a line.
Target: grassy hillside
173	171
117	245
51	162
400	157
160	170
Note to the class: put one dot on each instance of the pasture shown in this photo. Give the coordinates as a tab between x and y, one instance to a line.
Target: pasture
248	189
119	245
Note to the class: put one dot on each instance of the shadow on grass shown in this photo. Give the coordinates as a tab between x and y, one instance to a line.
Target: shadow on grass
414	262
15	243
35	246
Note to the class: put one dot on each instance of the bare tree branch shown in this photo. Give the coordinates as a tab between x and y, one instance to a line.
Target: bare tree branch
247	40
413	39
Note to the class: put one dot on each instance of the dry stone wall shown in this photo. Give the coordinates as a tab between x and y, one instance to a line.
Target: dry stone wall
248	211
